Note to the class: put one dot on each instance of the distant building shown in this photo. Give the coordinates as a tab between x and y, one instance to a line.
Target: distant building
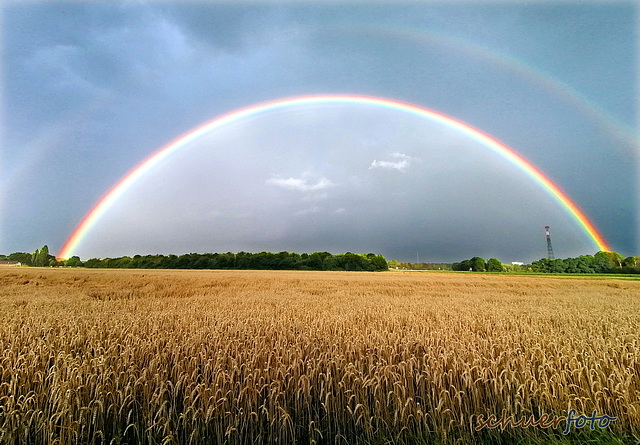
5	263
517	263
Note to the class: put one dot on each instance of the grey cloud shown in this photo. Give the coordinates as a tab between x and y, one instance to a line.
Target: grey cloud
92	89
229	27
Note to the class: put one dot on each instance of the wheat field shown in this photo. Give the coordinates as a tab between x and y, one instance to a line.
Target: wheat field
149	356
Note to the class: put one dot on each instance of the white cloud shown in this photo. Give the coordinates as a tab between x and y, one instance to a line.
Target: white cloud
401	163
300	184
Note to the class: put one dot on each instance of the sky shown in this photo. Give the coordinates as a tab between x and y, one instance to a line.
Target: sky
92	89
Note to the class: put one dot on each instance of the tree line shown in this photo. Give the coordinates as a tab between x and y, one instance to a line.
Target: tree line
39	258
601	262
241	260
478	264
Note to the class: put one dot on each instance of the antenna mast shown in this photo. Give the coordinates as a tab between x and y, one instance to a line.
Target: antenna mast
549	247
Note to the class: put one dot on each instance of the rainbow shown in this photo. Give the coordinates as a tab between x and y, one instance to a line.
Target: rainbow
163	153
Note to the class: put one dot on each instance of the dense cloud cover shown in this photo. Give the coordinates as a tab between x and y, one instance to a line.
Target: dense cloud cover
92	89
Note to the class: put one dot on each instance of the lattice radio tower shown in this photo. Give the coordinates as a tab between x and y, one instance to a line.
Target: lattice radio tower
549	246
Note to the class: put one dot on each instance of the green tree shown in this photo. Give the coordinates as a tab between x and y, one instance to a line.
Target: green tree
478	264
393	264
41	257
542	265
329	262
614	257
631	264
53	262
558	266
314	261
379	262
93	262
605	262
23	257
462	265
350	261
494	265
630	261
74	261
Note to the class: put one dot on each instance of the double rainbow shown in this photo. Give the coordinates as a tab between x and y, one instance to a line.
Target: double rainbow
148	164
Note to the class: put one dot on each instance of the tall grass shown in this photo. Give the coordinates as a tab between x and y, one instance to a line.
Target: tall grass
99	356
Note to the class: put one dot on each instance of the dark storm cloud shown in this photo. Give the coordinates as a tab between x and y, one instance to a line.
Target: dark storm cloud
226	26
91	89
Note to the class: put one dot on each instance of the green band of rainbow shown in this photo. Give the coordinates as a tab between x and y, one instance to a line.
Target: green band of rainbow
147	165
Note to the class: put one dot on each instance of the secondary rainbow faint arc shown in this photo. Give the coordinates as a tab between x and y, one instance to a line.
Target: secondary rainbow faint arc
147	165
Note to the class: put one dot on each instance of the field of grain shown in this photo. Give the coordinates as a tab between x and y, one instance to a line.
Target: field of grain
147	356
